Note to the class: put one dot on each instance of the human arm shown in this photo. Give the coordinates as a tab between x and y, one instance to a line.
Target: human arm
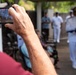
52	25
24	27
61	25
46	20
61	20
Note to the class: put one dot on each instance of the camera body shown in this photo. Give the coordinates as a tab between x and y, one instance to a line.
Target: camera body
4	16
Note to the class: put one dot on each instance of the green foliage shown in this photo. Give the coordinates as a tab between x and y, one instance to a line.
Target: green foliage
45	5
56	6
28	5
11	1
59	6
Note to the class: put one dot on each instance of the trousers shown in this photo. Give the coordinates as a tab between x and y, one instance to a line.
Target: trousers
72	46
56	32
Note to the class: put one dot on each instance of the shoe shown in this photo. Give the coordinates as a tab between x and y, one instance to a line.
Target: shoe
74	66
54	40
67	41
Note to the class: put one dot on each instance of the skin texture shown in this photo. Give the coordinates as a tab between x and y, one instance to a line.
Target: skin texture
22	25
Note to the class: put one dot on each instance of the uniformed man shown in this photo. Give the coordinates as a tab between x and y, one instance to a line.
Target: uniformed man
71	30
67	17
56	23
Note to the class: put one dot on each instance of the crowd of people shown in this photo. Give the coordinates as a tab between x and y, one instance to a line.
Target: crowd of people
35	48
56	23
70	27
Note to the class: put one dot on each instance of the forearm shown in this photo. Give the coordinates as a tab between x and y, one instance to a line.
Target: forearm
61	25
41	63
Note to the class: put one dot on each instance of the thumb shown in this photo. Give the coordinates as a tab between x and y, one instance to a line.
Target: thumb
10	26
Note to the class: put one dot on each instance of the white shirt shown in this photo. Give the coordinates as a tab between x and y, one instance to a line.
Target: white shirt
57	21
61	18
68	18
71	25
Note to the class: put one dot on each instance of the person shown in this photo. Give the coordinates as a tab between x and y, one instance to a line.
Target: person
45	25
23	26
71	30
24	53
26	58
67	17
56	23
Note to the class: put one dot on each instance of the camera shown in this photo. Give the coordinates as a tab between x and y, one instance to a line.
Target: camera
4	16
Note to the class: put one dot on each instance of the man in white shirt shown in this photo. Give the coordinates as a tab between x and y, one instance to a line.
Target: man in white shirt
67	17
71	30
56	25
70	15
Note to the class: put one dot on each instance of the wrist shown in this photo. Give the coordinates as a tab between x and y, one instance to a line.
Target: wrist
28	36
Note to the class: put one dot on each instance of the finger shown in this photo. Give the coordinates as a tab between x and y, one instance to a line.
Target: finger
10	26
16	7
23	9
12	12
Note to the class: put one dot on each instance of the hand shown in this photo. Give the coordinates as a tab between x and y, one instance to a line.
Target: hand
74	33
22	24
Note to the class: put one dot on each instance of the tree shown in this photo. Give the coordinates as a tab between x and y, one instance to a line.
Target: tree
28	5
59	6
10	1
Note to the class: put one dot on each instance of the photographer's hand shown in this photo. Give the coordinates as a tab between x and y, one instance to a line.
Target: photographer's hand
21	21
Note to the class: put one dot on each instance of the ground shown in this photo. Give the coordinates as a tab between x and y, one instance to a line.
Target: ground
64	60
